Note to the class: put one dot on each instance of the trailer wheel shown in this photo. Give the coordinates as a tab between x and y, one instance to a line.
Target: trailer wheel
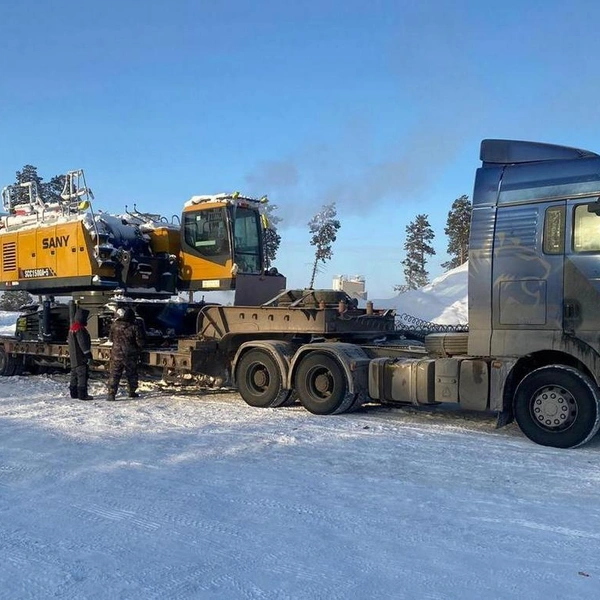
322	386
259	380
557	406
8	364
19	366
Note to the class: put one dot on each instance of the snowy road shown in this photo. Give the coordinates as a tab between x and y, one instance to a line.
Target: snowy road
177	497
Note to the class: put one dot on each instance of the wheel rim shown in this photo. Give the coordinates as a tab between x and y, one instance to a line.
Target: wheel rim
320	383
258	378
553	408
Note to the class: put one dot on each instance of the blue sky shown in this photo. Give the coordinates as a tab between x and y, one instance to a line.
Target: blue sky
379	106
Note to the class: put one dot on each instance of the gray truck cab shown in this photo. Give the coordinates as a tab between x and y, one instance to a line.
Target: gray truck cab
534	275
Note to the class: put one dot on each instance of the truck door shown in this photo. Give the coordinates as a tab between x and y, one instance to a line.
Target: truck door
528	262
582	270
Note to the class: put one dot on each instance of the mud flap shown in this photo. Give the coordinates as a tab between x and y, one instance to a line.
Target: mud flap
504	418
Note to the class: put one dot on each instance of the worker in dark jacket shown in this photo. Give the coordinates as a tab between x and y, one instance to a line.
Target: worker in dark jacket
127	343
80	353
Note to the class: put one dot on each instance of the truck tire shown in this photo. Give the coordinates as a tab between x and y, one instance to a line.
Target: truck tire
322	386
259	380
8	364
557	406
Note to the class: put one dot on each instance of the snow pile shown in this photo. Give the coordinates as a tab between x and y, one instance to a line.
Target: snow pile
442	301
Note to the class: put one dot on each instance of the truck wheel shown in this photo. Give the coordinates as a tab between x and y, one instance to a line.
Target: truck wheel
322	386
557	406
259	380
35	369
8	365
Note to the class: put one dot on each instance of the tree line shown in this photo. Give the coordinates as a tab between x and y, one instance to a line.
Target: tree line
418	243
419	237
48	191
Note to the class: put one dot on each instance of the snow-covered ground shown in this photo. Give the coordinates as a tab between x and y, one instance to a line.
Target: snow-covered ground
186	494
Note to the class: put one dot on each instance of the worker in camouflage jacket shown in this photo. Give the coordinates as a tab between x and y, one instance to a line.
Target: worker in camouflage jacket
80	353
127	342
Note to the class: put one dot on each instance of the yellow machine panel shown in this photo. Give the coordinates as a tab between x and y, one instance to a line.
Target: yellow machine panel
165	239
199	273
52	256
8	259
64	249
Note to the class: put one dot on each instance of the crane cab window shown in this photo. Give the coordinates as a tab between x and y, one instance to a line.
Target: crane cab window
205	231
586	230
247	238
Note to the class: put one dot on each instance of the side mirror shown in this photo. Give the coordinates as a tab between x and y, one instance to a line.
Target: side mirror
594	207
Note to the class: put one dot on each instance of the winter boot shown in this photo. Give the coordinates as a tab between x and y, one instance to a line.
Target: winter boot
83	395
73	392
111	396
131	393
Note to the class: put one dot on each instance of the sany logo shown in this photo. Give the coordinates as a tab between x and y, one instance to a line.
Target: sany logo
60	241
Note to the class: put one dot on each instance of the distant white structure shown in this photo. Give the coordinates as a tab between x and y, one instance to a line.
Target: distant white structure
353	286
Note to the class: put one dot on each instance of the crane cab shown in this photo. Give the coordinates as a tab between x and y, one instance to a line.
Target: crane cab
221	248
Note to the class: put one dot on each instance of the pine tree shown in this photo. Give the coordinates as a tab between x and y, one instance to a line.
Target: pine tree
13	301
458	228
26	175
419	234
52	190
48	192
272	239
323	227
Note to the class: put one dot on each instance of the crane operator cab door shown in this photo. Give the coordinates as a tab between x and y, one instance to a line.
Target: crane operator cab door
222	249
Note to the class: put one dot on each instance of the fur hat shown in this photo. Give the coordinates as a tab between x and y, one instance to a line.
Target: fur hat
125	314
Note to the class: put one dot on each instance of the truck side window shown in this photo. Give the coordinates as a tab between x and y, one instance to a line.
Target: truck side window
554	230
586	230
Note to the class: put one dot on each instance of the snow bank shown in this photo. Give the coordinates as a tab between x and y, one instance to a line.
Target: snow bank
442	301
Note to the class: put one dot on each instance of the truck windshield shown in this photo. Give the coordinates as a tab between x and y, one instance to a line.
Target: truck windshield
247	245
